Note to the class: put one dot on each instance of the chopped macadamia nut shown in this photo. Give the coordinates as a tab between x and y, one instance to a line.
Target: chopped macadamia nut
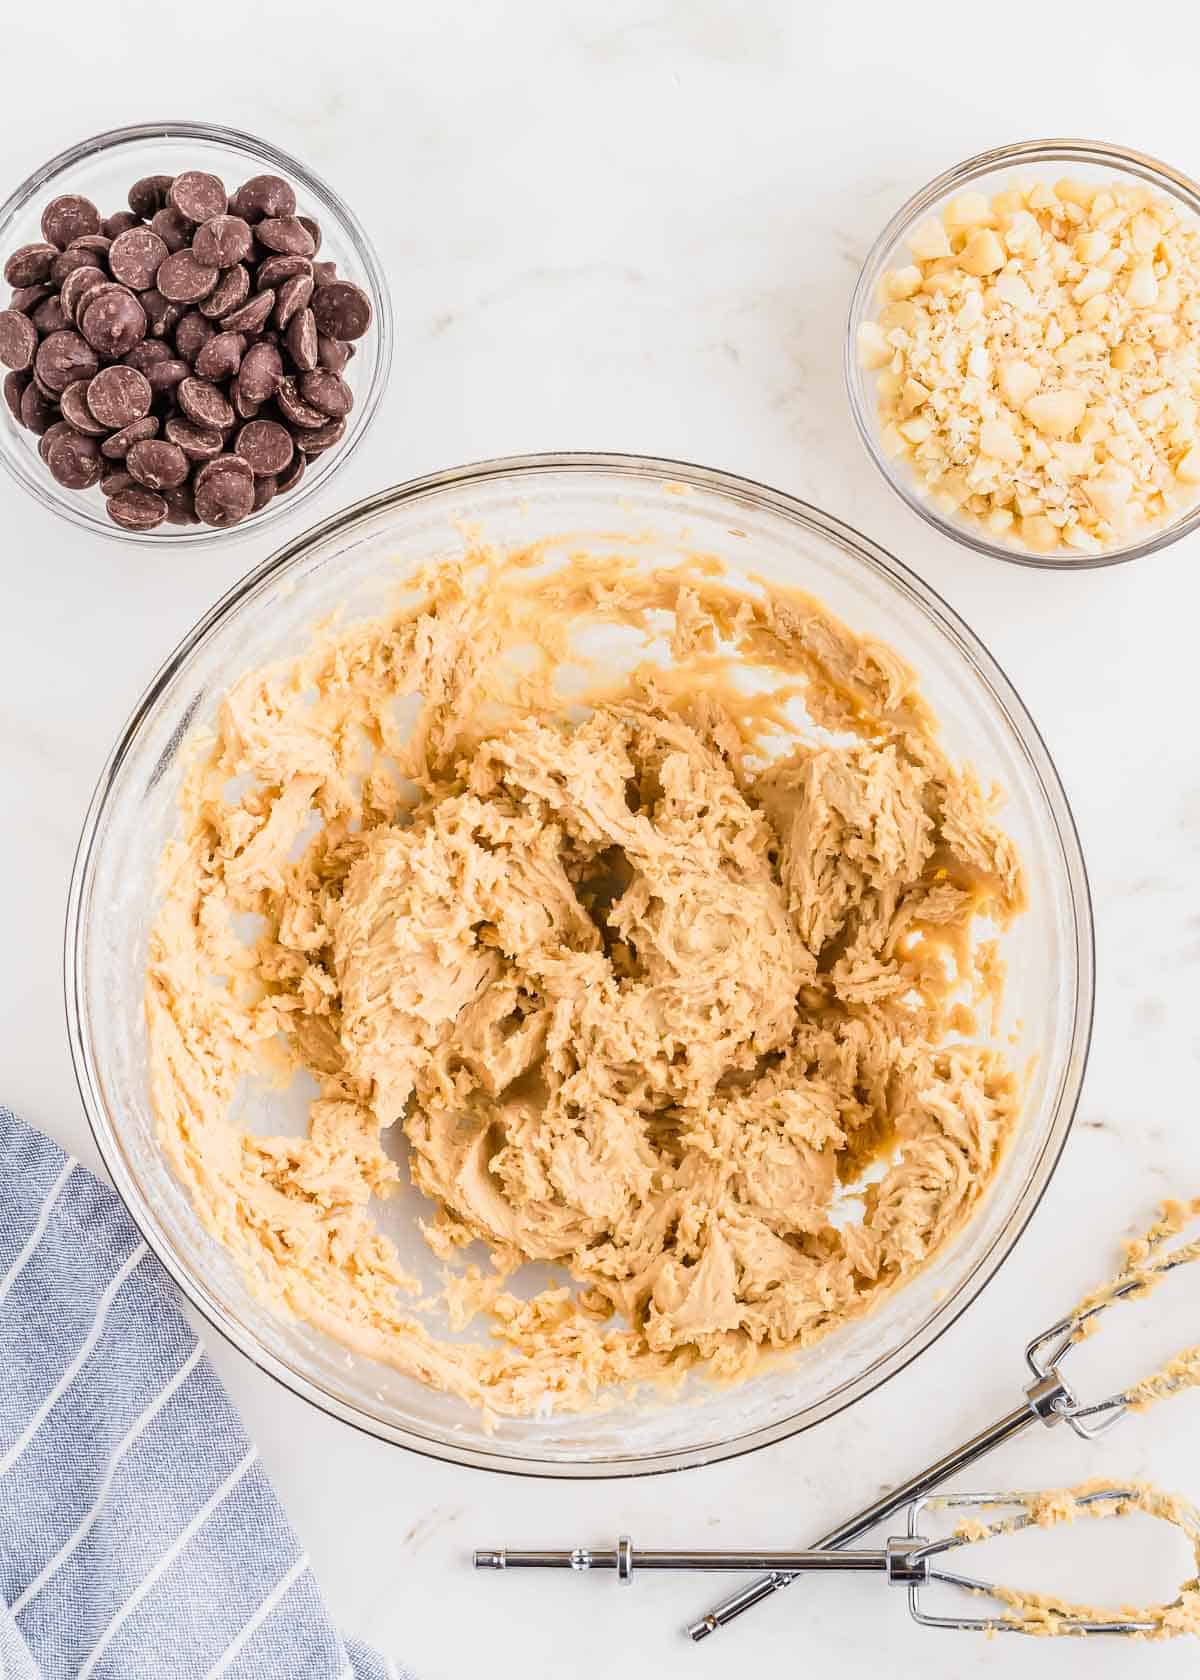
930	241
1056	412
1038	362
1018	381
873	347
982	254
903	282
999	441
968	210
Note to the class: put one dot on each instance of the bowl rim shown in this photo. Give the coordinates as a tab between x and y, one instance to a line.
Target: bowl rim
1099	153
89	517
1063	1102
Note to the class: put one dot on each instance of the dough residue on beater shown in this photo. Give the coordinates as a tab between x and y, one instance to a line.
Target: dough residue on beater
1047	1615
646	970
1148	1261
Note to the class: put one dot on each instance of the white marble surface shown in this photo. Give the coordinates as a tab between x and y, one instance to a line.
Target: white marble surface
634	225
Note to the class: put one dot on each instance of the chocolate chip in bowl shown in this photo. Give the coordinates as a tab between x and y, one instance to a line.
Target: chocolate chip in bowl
164	291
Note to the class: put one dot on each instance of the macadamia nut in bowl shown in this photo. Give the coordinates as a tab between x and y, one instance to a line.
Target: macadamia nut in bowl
1023	356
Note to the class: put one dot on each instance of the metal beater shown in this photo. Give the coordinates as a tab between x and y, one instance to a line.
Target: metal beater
909	1561
1049	1400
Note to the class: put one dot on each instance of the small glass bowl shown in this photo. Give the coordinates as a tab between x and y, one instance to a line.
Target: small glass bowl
989	173
103	169
354	563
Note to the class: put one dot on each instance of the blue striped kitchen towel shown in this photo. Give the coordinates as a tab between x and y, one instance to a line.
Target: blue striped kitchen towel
139	1536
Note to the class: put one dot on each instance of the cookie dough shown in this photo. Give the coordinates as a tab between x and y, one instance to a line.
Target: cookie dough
649	971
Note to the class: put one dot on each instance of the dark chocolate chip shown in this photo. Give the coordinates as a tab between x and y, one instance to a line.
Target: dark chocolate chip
60	428
113	321
265	446
327	391
74	405
161	314
172	228
26	298
260	373
263	195
115	479
143	356
183	279
293	295
313	229
324	272
223	241
295	410
192	334
76	287
97	243
224	491
157	465
222	356
230	292
114	226
66	262
18	340
332	354
203	403
181	505
147	196
30	265
198	196
98	289
301	340
136	256
15	386
285	234
317	442
38	411
251	316
74	460
50	316
63	358
67	218
166	376
244	405
342	309
225	463
137	510
199	443
118	446
288	480
264	491
273	271
118	396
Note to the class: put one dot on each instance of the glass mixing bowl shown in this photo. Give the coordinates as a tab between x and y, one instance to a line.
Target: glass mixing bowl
990	173
354	561
103	169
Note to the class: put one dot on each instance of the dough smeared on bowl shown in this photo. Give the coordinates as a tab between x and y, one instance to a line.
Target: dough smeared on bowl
650	968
